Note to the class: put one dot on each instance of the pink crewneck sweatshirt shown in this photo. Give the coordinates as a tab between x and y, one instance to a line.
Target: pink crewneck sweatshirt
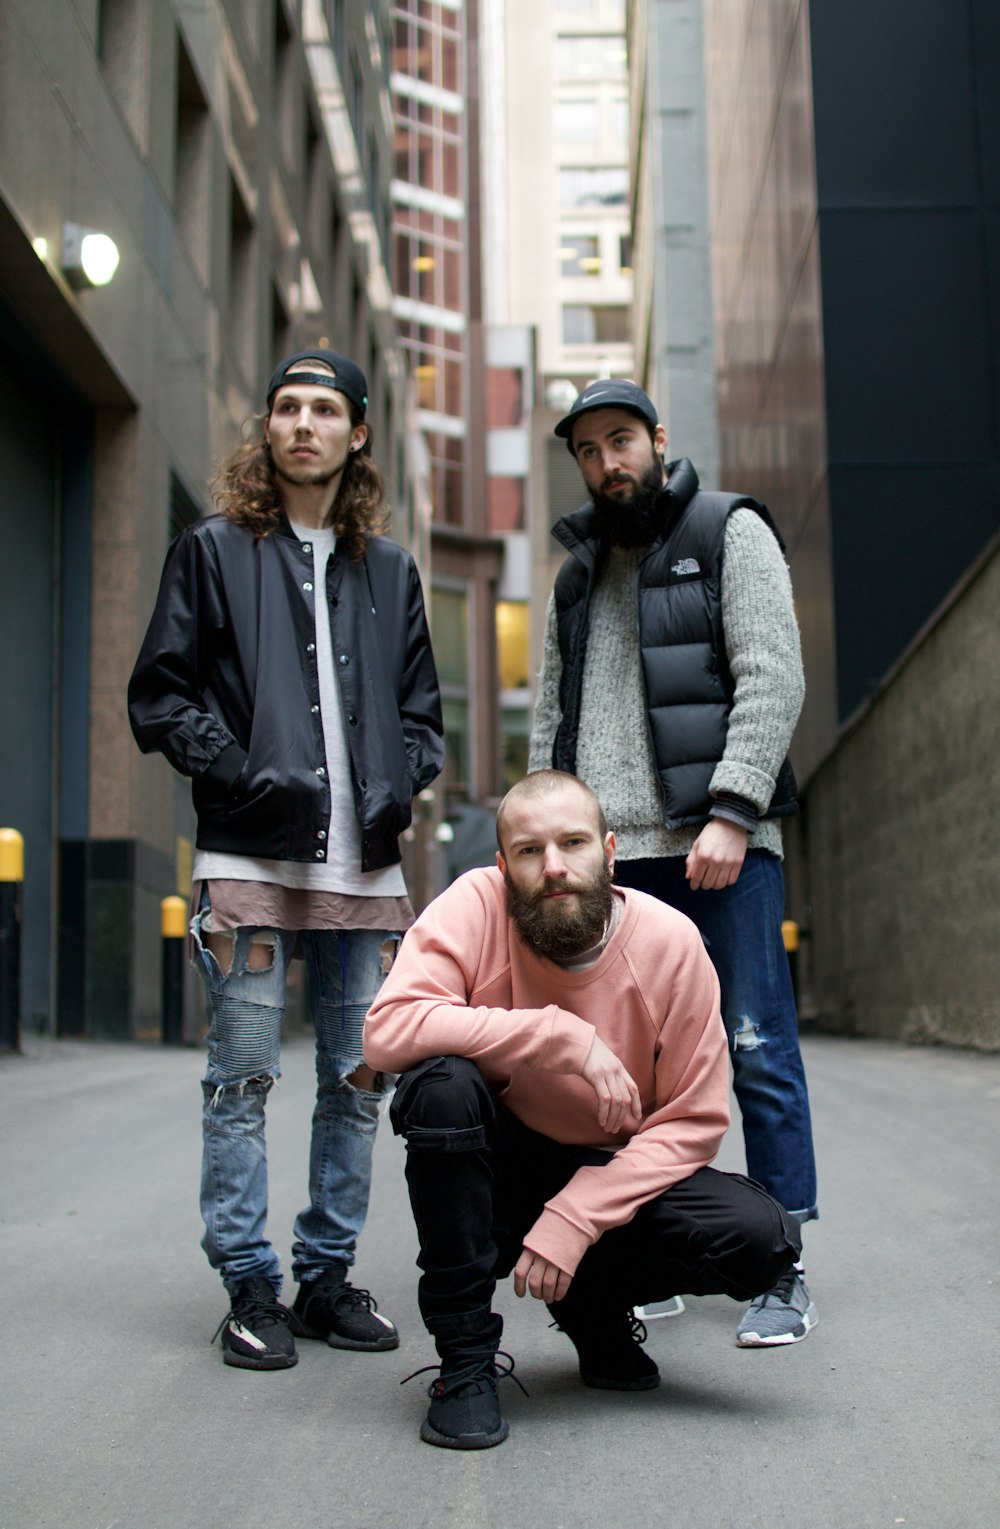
464	984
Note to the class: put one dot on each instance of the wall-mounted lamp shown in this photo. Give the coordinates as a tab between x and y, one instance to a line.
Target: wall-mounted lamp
89	258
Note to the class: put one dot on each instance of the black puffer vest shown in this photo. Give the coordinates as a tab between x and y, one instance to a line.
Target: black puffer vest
689	688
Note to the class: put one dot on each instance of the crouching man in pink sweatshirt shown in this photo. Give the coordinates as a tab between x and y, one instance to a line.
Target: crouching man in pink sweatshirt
565	1085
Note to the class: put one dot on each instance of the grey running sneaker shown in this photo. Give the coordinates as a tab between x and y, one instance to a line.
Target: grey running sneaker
785	1314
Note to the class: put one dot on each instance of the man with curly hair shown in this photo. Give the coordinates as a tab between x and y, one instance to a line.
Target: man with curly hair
288	671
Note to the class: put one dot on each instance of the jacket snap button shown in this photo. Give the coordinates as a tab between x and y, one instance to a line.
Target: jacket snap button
321	771
352	720
321	833
344	658
319	854
314	710
307	586
310	647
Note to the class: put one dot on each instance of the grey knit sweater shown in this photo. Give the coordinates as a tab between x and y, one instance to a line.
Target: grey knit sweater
614	752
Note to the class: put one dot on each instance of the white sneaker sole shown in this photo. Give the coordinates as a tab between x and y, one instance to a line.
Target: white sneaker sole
777	1340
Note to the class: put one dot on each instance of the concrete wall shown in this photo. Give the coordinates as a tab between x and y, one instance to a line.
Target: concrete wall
893	865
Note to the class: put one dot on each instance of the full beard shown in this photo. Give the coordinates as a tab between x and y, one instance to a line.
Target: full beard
635	521
552	928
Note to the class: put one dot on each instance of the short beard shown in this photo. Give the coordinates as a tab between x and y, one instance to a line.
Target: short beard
634	522
308	477
550	929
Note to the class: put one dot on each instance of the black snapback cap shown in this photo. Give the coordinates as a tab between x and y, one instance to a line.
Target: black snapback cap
609	393
348	378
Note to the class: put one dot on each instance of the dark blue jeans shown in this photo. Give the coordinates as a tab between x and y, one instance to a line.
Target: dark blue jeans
741	927
479	1178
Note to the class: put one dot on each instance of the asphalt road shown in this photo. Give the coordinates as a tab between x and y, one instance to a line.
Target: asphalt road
118	1414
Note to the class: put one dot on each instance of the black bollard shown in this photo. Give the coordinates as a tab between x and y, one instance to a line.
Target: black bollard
173	928
11	882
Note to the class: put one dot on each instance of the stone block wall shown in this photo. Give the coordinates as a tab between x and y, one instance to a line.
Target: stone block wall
894	864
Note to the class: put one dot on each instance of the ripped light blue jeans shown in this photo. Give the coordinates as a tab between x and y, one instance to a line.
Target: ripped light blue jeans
741	927
246	1007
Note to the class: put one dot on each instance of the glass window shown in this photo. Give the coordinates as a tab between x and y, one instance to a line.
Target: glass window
457	750
450	629
514	734
593	186
578	256
583	325
625	254
600	57
512	644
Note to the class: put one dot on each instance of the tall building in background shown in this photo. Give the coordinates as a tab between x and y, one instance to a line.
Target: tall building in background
853	186
239	155
673	319
557	251
438	306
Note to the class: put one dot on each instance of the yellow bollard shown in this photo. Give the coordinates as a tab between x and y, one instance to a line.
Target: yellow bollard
173	929
11	878
173	918
11	855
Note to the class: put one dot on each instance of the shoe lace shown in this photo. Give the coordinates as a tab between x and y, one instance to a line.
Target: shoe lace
781	1290
479	1370
350	1295
252	1311
637	1328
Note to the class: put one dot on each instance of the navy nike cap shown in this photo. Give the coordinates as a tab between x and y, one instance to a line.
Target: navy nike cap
608	393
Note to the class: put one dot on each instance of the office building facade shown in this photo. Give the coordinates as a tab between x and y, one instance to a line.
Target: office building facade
239	156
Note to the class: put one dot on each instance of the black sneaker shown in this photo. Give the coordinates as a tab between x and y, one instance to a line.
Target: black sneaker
609	1352
465	1408
331	1309
256	1333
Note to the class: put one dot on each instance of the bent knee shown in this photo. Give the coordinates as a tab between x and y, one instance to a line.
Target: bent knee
447	1093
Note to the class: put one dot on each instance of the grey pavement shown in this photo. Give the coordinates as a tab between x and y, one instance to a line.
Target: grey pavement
117	1412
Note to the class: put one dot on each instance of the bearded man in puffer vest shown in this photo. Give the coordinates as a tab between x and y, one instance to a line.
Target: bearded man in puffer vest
671	683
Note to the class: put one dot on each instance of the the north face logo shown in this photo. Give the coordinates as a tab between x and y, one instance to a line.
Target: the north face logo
685	566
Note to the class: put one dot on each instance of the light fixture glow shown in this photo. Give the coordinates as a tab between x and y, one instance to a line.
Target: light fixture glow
40	247
89	258
423	263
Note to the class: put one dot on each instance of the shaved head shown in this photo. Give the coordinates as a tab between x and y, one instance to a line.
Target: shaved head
542	783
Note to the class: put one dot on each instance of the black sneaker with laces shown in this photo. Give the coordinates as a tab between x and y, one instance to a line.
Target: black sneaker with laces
465	1408
331	1309
255	1332
608	1348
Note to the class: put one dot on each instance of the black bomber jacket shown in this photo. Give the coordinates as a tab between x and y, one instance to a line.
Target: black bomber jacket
226	686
